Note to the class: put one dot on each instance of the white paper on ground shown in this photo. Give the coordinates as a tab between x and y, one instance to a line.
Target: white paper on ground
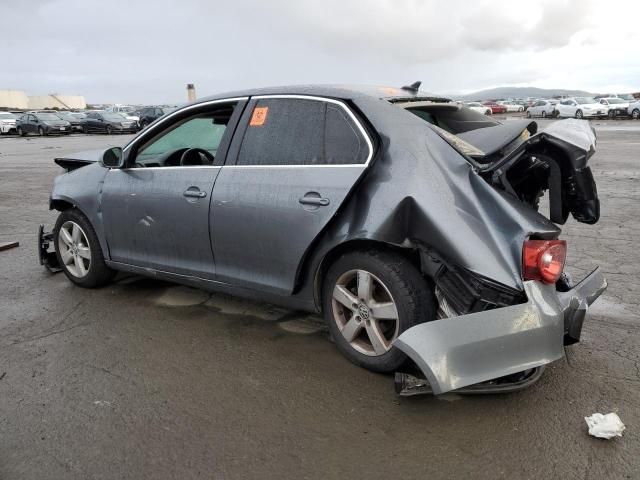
605	426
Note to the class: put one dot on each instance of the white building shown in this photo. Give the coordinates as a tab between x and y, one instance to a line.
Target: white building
18	100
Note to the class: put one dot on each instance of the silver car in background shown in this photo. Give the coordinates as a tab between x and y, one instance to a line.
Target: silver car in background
541	108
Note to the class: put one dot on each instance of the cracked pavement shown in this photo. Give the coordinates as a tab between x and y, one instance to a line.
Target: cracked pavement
143	379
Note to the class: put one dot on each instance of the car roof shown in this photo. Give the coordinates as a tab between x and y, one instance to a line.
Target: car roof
346	92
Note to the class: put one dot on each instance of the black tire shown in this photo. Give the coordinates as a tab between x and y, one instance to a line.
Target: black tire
41	131
98	274
85	129
21	132
143	125
635	114
109	130
544	114
528	114
413	297
579	114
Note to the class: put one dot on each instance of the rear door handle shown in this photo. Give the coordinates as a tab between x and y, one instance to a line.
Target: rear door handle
194	192
318	201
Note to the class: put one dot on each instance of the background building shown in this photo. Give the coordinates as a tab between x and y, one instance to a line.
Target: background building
18	100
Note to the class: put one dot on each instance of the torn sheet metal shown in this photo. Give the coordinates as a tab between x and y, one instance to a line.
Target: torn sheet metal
460	351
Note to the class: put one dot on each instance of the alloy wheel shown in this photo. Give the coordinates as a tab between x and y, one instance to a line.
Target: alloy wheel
635	114
74	249
365	312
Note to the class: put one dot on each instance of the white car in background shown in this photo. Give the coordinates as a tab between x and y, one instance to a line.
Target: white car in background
634	109
581	107
126	111
7	123
511	107
478	107
617	106
541	108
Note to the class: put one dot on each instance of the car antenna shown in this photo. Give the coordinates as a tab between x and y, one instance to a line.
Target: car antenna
413	87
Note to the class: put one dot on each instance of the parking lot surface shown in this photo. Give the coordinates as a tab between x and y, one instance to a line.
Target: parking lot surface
144	379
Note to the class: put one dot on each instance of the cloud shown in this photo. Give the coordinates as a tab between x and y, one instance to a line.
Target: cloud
146	51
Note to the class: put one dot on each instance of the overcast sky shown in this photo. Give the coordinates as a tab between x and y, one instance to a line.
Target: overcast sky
146	51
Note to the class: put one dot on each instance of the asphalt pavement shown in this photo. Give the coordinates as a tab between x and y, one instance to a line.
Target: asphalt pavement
147	380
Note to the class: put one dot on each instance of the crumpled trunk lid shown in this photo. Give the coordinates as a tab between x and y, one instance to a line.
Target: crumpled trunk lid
554	160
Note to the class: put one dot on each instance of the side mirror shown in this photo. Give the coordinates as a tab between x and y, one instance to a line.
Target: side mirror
35	120
112	158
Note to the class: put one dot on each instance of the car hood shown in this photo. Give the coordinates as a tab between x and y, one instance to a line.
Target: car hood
80	159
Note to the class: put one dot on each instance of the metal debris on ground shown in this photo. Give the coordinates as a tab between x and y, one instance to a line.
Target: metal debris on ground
8	245
605	426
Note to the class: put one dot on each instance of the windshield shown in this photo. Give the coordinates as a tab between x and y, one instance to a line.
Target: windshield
78	115
7	115
615	100
47	116
585	100
113	117
626	96
66	116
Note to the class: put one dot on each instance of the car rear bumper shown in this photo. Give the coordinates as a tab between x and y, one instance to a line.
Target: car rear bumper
460	351
8	128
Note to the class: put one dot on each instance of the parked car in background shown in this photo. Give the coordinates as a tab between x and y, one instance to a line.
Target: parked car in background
352	203
74	119
541	108
495	107
633	110
511	106
478	107
581	107
617	106
625	96
151	114
42	124
8	122
127	111
108	122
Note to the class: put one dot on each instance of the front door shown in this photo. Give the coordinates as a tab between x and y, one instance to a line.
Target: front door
291	165
156	211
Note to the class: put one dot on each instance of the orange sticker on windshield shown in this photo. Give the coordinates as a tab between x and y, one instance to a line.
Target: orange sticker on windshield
259	116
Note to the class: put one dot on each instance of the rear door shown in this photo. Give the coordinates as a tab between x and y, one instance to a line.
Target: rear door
295	160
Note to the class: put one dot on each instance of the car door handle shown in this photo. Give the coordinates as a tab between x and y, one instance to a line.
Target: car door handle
194	192
319	201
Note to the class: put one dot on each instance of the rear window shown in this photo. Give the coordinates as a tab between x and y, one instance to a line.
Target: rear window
452	119
285	131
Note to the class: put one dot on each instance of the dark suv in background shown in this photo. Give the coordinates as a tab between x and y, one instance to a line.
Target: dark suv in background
150	114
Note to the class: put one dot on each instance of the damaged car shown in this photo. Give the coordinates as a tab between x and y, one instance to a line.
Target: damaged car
411	223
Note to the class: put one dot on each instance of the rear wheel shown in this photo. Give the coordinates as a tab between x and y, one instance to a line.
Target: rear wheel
369	298
635	114
528	114
109	130
41	131
20	132
544	114
78	251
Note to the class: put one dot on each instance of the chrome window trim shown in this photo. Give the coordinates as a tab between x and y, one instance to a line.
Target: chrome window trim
196	106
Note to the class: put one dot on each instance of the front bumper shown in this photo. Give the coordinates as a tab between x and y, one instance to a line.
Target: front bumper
8	128
459	351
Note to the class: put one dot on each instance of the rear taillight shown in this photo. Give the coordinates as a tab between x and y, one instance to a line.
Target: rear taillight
543	260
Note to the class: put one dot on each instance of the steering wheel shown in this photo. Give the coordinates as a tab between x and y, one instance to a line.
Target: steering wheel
193	156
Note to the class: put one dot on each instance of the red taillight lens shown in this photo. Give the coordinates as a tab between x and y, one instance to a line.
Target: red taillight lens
543	260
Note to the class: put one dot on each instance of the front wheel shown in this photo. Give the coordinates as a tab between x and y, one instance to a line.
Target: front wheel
544	114
528	114
78	251
578	113
20	132
369	298
109	130
41	131
635	114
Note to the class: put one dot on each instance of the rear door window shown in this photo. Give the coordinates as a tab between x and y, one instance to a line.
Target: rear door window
293	131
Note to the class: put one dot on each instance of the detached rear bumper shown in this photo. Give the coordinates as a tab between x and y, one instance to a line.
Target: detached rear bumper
460	351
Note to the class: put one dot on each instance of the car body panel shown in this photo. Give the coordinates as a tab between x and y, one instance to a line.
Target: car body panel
460	351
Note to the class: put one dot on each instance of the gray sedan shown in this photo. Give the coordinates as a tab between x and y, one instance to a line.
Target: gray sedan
408	221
